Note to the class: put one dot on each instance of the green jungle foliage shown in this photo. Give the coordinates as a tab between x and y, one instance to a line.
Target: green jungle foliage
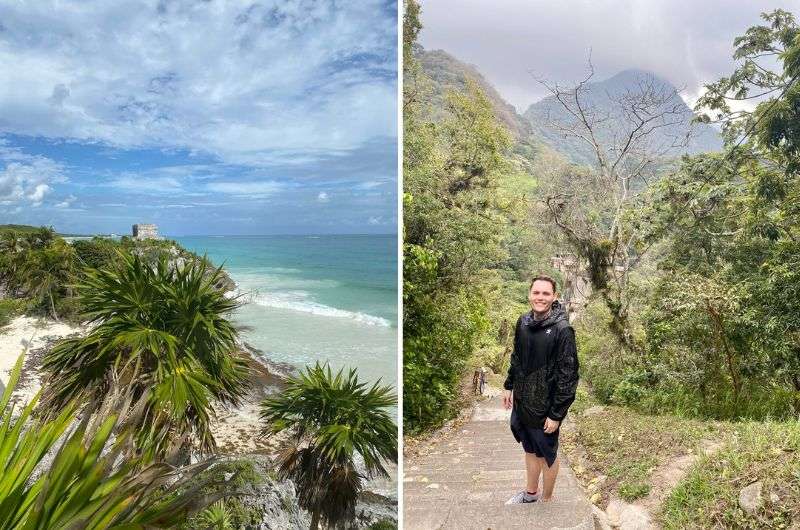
469	244
715	305
704	319
721	317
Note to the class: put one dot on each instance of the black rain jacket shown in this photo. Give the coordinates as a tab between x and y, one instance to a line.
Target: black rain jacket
544	367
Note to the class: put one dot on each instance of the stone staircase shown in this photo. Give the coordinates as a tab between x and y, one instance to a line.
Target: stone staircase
463	479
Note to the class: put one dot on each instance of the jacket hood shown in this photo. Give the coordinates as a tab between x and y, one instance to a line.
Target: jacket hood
557	314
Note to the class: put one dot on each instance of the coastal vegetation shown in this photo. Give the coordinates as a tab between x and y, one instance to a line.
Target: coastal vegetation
157	358
692	320
84	485
38	268
332	419
163	334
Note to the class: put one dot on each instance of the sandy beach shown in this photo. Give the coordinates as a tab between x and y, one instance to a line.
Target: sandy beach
236	430
29	335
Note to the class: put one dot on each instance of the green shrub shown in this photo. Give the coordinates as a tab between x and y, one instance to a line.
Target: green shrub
630	390
435	357
601	360
9	309
243	473
97	252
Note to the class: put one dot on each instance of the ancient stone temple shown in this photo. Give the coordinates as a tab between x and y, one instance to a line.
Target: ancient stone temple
145	231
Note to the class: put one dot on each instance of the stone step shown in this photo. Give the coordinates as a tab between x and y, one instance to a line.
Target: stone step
469	476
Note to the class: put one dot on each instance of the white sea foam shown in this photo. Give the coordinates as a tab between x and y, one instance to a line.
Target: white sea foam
299	301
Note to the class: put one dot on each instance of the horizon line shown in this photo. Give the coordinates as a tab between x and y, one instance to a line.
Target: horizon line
166	236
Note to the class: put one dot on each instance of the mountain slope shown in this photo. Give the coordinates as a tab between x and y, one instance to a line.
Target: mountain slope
448	73
602	97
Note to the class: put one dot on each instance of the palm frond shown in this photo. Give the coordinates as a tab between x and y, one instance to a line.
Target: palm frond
332	418
159	329
85	486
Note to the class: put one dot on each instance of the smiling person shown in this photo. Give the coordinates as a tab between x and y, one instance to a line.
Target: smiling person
540	386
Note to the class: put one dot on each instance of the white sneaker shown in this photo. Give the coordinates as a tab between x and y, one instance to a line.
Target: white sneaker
523	497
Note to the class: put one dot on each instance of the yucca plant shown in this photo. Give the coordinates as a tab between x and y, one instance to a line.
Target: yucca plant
216	517
84	486
331	419
162	332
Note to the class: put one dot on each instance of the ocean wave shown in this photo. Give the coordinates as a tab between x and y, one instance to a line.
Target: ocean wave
293	302
279	281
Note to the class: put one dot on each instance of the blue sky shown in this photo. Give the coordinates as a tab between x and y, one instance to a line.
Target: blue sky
203	117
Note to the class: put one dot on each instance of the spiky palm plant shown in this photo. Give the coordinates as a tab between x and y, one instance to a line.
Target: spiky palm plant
84	485
332	418
216	517
160	331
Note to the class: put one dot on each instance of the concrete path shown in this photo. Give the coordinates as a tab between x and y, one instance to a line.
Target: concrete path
462	481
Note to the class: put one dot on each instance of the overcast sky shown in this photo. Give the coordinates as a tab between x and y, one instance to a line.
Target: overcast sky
685	41
206	117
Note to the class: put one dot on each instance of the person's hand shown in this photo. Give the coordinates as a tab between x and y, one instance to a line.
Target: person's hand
550	426
507	399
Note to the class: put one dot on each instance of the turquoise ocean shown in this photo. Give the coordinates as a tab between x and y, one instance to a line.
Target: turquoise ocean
314	298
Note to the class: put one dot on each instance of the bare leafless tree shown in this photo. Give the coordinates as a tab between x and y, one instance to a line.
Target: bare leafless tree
630	135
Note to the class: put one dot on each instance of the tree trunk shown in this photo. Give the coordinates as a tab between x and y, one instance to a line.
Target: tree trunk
723	342
314	520
53	307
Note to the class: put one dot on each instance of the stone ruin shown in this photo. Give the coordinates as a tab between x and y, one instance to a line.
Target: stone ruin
577	288
145	231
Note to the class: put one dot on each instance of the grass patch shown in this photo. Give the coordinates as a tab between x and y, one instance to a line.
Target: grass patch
630	491
627	446
758	451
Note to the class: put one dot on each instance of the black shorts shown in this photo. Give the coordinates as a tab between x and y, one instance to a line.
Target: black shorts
535	440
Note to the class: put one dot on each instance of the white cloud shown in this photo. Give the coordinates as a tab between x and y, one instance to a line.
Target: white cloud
249	83
246	189
143	184
26	178
374	220
323	197
67	202
38	193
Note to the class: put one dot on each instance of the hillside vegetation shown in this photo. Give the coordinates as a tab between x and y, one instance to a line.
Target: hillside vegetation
689	245
39	269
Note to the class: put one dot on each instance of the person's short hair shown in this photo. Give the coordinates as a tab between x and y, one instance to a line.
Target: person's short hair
544	278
